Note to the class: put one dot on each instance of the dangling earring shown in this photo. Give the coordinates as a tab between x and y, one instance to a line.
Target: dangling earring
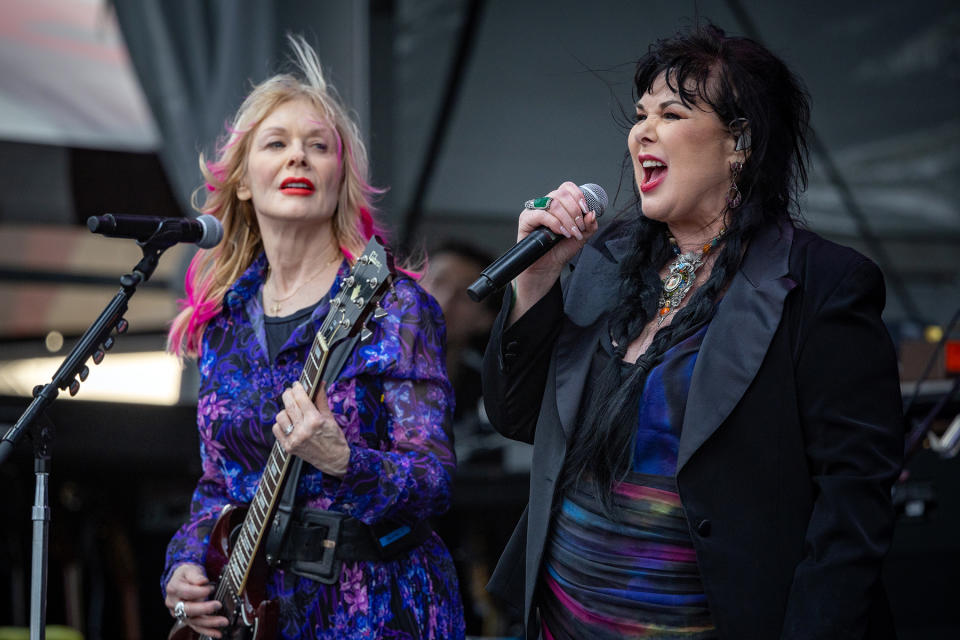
733	194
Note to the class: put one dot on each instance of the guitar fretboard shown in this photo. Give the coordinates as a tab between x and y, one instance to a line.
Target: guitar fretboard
358	291
262	506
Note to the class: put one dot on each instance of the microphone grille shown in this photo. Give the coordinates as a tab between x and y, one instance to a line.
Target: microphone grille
595	196
212	231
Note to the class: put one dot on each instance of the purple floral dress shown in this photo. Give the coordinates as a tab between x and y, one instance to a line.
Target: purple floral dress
394	384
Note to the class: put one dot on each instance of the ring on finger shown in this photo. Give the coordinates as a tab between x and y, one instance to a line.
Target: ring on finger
180	611
287	430
538	203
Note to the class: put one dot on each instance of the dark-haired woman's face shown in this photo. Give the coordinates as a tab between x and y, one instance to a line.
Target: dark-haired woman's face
681	160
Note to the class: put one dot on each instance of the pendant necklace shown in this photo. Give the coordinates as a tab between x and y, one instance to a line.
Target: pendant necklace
275	307
682	274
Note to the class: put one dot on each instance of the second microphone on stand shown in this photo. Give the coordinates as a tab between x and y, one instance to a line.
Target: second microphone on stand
529	250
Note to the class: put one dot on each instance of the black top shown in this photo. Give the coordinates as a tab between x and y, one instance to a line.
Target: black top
279	329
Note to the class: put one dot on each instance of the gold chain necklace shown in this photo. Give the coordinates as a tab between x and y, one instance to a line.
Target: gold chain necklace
277	302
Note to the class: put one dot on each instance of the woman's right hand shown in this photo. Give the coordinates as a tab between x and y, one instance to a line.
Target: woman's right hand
189	584
568	216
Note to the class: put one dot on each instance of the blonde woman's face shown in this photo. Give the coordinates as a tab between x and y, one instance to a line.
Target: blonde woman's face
293	166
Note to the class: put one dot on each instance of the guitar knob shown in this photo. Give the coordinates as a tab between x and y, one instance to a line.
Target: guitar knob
108	343
379	312
84	372
122	325
74	387
365	334
98	356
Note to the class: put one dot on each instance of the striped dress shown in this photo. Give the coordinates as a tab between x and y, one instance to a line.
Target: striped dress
635	576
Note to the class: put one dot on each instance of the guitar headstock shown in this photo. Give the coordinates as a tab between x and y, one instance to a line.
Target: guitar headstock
359	295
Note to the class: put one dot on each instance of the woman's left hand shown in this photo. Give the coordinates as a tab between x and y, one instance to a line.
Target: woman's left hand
307	429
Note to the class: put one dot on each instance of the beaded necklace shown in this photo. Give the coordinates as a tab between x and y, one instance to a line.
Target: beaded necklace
683	272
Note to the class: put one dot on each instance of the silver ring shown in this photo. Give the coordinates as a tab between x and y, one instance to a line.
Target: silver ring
538	203
287	430
180	612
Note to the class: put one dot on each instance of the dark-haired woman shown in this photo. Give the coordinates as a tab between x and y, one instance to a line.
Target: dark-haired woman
711	393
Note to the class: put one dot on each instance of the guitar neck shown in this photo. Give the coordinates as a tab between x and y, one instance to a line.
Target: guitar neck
359	294
264	502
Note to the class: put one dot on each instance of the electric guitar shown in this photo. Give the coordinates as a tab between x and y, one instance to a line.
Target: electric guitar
235	559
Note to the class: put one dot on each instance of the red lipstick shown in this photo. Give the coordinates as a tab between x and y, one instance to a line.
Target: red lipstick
654	171
297	187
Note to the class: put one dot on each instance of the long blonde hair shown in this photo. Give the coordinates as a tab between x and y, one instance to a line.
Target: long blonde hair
212	272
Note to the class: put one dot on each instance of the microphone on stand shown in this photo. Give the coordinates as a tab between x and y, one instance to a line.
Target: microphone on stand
529	250
206	231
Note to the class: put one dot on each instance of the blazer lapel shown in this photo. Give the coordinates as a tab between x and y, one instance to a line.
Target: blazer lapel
588	297
738	337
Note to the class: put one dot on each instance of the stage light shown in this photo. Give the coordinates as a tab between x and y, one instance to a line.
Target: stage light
147	377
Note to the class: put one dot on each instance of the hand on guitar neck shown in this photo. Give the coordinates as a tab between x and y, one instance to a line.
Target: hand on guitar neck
308	430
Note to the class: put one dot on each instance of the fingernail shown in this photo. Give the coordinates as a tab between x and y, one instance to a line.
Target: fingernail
583	206
564	231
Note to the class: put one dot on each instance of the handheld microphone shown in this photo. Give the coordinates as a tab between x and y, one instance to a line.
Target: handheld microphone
529	250
206	231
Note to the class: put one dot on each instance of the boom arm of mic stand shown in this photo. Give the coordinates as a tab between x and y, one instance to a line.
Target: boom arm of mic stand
111	318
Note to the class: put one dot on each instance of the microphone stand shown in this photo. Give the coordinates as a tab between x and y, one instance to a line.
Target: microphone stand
94	342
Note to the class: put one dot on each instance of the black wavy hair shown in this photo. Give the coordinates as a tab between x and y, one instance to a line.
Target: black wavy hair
737	78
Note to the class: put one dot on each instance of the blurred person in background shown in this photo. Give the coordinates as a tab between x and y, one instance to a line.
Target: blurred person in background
475	532
452	267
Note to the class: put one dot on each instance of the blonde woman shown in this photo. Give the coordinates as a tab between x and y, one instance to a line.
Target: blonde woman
290	186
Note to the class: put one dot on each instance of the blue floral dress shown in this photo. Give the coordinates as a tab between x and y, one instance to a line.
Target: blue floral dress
394	384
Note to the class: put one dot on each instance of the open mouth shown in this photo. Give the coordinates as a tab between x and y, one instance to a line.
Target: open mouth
297	186
654	171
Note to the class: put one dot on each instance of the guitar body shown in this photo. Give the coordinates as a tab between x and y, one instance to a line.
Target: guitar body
252	616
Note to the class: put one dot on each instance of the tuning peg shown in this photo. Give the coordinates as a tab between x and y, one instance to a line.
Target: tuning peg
98	356
348	281
359	301
373	282
122	325
74	387
108	343
365	334
379	312
84	372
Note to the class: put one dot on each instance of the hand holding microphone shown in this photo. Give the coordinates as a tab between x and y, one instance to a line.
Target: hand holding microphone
565	218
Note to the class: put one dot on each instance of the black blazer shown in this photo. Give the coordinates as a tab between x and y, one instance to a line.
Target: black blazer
791	441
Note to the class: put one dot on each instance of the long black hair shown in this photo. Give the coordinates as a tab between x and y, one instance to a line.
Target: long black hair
737	78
